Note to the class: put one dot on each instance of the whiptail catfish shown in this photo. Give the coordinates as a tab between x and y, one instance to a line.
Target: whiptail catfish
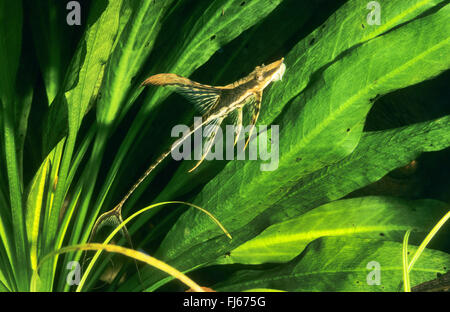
215	104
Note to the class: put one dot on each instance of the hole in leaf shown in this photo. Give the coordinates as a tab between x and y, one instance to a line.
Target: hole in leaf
381	234
243	3
312	41
213	37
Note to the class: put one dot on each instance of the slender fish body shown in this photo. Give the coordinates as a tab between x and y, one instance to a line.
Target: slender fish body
215	103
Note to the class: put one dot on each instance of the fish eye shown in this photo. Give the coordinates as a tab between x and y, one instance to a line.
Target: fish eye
259	77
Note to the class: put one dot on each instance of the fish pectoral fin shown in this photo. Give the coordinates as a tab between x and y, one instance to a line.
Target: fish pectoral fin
204	97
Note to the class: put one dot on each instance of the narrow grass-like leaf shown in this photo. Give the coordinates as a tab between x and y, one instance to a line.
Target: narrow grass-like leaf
406	281
3	287
427	239
263	290
134	215
10	47
53	40
34	205
137	255
131	50
80	93
11	38
6	246
23	96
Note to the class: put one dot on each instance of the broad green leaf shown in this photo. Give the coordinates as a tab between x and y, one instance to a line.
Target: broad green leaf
84	76
318	128
82	91
314	52
98	40
343	31
377	154
367	217
342	264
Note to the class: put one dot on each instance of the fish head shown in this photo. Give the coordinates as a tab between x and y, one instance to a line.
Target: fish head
265	74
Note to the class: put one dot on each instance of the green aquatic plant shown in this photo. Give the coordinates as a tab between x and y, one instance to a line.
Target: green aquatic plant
364	131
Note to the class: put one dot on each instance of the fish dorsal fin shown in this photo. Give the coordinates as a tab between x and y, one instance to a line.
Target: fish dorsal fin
204	97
